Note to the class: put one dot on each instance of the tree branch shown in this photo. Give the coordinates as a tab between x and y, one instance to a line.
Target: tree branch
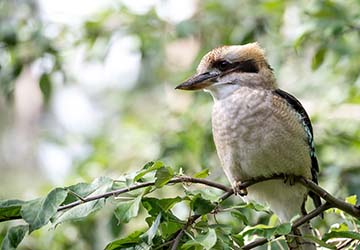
226	195
331	202
180	179
194	217
335	202
181	232
297	223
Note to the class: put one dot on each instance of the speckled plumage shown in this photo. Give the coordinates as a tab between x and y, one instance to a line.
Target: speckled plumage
256	133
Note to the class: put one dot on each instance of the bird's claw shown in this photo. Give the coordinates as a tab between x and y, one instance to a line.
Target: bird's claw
216	210
238	190
289	179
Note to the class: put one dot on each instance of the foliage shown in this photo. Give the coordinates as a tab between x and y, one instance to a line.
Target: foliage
313	48
165	229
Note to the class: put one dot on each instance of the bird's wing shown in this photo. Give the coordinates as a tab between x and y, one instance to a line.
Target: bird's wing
296	105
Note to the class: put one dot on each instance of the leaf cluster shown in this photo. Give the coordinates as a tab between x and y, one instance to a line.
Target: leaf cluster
201	230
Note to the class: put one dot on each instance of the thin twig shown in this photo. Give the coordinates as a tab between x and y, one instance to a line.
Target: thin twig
164	244
106	195
226	195
181	232
76	195
180	179
194	217
342	205
319	210
331	202
296	224
345	243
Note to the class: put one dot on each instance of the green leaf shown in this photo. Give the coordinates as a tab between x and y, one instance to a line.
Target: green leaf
155	206
14	236
207	241
85	189
127	210
274	6
10	209
318	241
39	212
201	206
193	244
149	235
267	231
163	175
202	174
79	212
149	167
283	229
45	87
341	234
251	205
131	240
318	58
206	193
168	228
138	240
274	220
257	207
224	240
299	41
98	187
240	216
351	199
339	227
238	238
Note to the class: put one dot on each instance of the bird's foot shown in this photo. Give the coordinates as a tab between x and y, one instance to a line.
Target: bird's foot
289	179
216	210
238	190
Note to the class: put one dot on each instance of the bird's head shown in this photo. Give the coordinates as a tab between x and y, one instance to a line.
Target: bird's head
224	69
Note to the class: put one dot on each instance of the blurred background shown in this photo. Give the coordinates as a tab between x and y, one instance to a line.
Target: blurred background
87	90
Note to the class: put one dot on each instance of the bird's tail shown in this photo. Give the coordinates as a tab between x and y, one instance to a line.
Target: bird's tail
298	242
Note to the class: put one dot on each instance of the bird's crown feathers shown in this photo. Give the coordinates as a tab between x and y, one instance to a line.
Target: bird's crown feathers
234	53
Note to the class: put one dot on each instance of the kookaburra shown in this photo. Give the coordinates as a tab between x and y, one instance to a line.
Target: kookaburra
259	129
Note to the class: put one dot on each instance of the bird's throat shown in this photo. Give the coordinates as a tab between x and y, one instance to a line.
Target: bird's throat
221	90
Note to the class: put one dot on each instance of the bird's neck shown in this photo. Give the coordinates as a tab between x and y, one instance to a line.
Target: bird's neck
222	91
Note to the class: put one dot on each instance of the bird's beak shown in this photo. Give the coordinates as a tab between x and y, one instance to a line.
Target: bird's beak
199	81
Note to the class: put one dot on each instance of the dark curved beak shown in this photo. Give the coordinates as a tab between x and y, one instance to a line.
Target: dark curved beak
199	81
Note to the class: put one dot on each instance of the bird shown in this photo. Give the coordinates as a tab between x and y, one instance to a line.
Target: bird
259	130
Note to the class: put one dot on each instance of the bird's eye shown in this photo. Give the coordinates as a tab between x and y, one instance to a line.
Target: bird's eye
223	65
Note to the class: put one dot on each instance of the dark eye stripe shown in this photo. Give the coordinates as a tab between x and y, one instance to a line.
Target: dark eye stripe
248	66
243	66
